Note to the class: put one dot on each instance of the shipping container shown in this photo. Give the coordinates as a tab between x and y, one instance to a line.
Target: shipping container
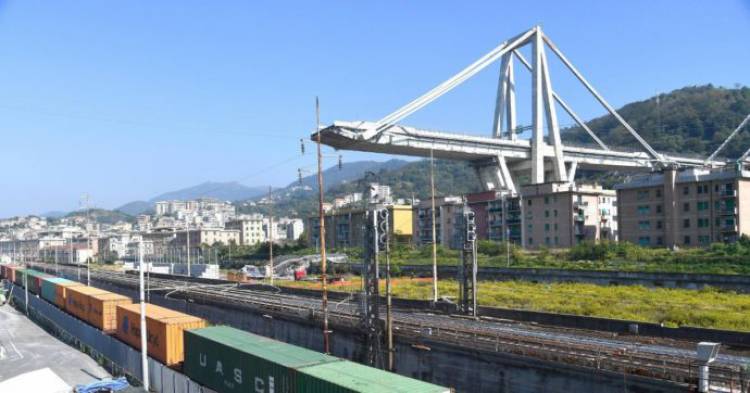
48	289
35	281
102	311
229	360
164	328
10	273
18	279
54	290
2	271
77	300
350	377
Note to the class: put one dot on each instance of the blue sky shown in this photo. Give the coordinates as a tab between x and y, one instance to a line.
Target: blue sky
125	100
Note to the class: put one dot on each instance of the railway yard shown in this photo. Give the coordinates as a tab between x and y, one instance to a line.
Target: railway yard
655	358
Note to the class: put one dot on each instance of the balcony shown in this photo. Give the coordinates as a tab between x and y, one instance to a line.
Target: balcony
728	194
728	211
579	218
729	228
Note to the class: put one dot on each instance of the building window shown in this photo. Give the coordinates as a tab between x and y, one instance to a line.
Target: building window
546	227
547	241
658	193
704	240
644	210
555	212
529	202
686	223
659	241
557	241
658	209
555	226
686	240
644	241
686	207
642	194
644	225
702	205
546	213
658	224
703	223
546	200
686	190
531	240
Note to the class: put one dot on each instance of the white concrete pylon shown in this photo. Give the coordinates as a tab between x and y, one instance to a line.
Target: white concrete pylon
553	126
505	103
537	110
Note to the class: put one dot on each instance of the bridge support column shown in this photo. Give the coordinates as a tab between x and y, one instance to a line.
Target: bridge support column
496	175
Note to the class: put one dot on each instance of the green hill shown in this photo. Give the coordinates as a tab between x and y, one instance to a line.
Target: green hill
691	120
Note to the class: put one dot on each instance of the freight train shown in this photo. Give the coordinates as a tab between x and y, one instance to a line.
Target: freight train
221	358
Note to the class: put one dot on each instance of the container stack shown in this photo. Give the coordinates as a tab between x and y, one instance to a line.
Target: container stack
164	327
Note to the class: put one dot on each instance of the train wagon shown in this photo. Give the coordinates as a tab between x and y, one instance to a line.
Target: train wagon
19	277
350	377
54	290
77	300
35	281
102	311
10	273
229	360
164	327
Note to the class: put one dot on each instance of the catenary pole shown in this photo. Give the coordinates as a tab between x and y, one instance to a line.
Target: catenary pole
144	350
322	234
434	230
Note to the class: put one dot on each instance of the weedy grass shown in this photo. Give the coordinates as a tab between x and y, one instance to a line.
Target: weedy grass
706	308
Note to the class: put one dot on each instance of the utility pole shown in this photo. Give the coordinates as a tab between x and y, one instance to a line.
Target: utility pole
86	199
144	342
270	232
322	234
468	267
187	243
434	231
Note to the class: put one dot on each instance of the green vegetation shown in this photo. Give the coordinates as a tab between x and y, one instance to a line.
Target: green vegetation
708	308
692	120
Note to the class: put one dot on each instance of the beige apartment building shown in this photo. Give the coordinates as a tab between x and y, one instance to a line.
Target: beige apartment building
250	229
207	236
560	215
686	208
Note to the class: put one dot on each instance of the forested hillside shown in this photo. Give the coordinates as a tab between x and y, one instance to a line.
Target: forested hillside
691	120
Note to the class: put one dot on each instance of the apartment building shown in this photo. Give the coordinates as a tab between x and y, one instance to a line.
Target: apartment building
446	209
344	228
685	208
250	228
560	215
205	236
497	216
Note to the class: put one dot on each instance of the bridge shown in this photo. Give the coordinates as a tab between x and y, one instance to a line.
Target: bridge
502	159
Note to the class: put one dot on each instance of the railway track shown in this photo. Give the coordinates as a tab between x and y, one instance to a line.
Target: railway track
676	364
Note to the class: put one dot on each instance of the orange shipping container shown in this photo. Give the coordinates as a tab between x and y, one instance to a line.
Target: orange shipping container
102	311
10	273
61	292
77	300
164	328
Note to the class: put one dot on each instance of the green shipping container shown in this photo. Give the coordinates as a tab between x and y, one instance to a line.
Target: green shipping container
350	377
49	288
20	273
229	360
35	281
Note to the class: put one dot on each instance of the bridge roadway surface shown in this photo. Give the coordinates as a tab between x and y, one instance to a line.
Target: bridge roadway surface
659	358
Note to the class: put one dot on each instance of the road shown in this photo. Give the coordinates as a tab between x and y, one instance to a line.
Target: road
25	347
